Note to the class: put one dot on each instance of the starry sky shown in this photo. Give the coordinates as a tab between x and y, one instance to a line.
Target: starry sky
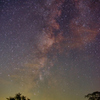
49	49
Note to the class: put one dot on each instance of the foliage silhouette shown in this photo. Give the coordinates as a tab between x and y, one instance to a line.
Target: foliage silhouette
23	98
18	96
93	96
10	98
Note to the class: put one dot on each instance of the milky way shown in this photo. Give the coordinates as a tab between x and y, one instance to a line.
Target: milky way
49	49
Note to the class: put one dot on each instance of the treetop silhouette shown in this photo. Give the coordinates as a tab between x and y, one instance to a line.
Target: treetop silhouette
18	96
93	96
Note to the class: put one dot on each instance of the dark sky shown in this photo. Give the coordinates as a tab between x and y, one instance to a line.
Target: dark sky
49	49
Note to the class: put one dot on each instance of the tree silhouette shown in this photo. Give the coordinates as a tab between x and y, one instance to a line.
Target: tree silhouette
10	98
18	96
23	98
93	96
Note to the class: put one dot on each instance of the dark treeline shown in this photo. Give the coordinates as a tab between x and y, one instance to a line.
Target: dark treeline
18	96
90	96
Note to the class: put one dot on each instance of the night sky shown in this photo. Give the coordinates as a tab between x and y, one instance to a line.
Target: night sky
49	49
